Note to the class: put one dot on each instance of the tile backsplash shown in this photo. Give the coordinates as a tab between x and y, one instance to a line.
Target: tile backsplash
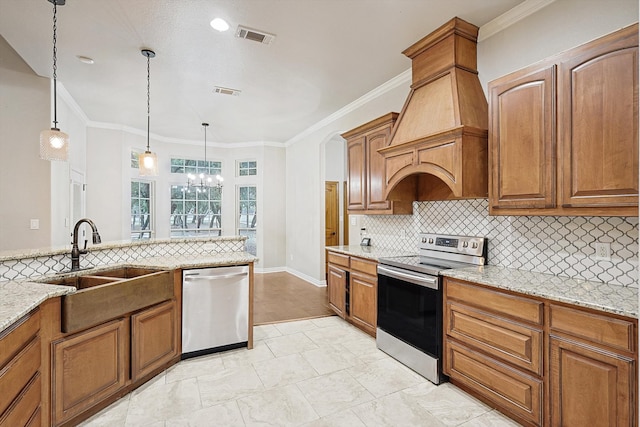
41	263
564	246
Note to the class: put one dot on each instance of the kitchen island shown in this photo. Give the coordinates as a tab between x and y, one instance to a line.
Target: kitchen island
94	364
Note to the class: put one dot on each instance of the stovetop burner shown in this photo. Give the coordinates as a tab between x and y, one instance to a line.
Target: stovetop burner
441	252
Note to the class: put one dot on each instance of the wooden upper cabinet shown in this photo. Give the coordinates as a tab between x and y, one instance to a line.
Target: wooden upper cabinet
356	173
375	175
594	135
522	156
599	124
366	169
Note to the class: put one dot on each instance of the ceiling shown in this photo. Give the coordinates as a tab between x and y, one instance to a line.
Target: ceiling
326	54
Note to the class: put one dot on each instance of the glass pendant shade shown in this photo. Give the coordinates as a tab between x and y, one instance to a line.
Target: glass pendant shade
148	163
54	145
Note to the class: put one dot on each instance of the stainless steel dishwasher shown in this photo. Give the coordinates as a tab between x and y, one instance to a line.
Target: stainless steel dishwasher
215	309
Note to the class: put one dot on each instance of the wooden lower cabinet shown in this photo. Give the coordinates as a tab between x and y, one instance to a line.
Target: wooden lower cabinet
352	290
539	361
363	301
20	372
88	367
510	389
590	386
154	338
336	289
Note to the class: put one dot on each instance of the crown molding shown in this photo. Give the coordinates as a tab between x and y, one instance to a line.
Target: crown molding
400	79
68	99
160	138
510	17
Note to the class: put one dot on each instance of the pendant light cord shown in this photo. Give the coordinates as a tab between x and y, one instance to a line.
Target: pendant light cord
55	65
148	101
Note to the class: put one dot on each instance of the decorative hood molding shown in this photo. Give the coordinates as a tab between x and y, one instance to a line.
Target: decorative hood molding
438	148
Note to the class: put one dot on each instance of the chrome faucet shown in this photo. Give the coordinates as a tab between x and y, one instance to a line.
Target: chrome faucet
75	251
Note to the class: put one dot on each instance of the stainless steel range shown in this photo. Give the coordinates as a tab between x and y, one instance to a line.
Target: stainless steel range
410	299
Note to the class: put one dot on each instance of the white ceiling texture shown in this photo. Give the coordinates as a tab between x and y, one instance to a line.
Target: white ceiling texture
326	54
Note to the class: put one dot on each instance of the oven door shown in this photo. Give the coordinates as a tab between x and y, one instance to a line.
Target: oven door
410	308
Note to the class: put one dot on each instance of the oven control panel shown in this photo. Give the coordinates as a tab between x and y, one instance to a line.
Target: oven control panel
468	245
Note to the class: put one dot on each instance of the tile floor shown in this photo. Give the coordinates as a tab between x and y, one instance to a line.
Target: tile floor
316	373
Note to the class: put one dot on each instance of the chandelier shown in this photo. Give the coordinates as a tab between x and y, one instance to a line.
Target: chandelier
206	180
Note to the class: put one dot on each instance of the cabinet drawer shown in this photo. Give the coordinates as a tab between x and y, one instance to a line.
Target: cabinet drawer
339	259
512	306
21	412
516	392
14	339
17	373
364	266
501	338
602	329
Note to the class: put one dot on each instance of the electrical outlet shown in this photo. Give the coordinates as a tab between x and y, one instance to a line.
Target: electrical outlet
603	251
34	224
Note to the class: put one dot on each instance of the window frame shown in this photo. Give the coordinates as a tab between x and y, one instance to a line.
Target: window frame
188	218
251	248
246	165
151	231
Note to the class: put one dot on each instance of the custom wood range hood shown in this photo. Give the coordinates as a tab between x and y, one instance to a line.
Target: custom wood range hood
438	148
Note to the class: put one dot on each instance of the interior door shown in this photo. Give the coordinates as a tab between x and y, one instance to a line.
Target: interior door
331	208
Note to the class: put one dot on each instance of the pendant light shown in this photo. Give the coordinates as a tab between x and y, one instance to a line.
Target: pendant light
54	144
205	179
148	161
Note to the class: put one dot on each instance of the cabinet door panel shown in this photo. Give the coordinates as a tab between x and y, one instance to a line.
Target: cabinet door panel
363	301
501	338
522	138
599	119
376	183
154	338
88	367
19	372
336	288
356	174
516	392
23	409
590	387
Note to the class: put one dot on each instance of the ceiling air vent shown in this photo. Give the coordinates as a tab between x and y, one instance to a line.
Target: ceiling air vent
226	91
254	35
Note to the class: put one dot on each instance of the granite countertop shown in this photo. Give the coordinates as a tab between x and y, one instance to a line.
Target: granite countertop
606	297
17	298
370	252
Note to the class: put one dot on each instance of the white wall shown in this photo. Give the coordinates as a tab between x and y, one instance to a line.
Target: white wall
305	187
559	26
335	170
25	192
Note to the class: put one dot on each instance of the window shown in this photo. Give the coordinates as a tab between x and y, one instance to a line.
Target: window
196	166
134	159
248	215
141	223
247	168
195	212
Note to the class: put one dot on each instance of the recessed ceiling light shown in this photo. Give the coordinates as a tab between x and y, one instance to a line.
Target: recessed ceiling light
85	59
220	24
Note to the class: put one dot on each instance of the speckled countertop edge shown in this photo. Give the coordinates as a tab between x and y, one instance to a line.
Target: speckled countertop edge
605	297
33	253
17	298
369	252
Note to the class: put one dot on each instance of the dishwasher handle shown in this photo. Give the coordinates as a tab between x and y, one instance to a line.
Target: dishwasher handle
191	277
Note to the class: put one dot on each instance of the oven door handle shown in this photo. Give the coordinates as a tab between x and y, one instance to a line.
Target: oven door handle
421	280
